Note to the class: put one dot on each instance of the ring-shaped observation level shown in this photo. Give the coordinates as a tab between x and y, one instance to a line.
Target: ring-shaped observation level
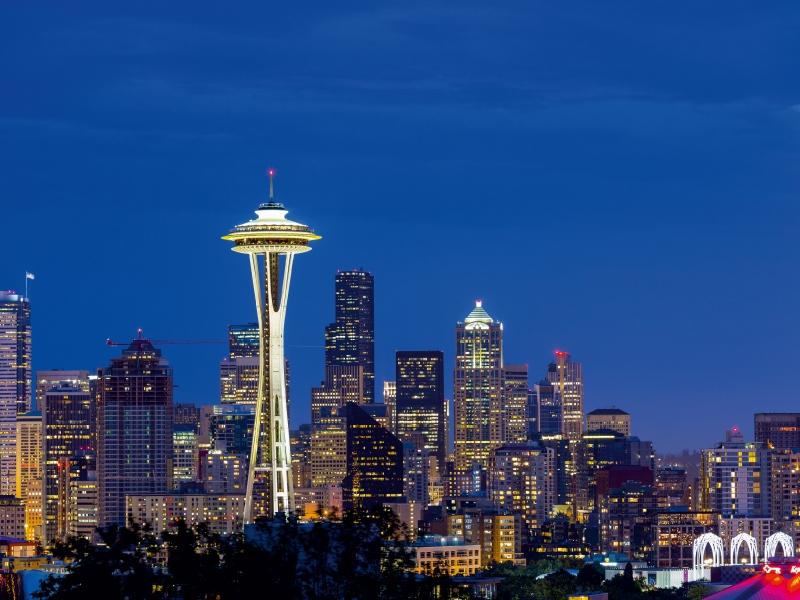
271	231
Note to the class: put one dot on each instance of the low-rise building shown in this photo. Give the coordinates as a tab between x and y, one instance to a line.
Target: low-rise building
12	517
223	513
674	535
450	555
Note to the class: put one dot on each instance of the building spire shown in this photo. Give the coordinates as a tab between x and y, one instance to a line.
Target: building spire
271	172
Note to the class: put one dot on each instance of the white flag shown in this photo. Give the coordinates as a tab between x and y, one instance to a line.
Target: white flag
28	275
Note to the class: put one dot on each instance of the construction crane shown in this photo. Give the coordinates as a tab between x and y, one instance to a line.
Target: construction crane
140	341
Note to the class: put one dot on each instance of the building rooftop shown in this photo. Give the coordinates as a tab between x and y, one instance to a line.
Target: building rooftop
478	314
608	411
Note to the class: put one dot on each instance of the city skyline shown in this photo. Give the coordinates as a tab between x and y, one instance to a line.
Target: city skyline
640	201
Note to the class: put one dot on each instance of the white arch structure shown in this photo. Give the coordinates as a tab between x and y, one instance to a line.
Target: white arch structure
771	544
717	550
736	543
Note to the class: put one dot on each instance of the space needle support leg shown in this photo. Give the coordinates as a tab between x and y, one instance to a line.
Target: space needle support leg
280	459
251	470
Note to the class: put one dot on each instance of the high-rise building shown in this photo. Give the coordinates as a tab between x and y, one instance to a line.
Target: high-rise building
225	473
374	461
15	380
735	478
350	339
29	450
626	515
188	414
515	403
420	403
546	410
567	379
785	499
609	418
606	448
135	410
329	454
390	400
777	430
478	388
46	380
33	511
81	506
416	465
67	425
244	340
342	384
185	452
522	480
230	427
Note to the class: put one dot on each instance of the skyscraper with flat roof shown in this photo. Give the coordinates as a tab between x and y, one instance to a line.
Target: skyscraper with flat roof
350	339
515	403
609	418
478	388
67	426
567	379
135	410
29	450
46	380
15	380
420	404
777	430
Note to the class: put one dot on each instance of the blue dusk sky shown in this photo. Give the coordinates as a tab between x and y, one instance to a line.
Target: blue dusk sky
619	180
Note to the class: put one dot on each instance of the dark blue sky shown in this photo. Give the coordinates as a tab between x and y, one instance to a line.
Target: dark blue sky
615	179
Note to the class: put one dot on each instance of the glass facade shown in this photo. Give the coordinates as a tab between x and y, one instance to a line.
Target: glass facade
374	461
15	380
135	418
419	401
350	339
67	425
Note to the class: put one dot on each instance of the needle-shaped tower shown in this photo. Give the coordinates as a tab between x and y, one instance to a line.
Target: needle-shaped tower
271	241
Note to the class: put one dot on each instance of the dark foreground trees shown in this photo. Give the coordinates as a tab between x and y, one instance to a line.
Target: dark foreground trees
363	556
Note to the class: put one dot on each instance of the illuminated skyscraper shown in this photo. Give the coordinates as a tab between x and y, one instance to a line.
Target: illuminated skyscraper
15	380
350	339
343	384
269	240
67	425
390	400
515	403
478	388
420	404
567	379
135	412
29	450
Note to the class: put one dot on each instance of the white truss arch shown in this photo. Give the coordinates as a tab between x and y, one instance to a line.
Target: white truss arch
771	544
736	543
717	550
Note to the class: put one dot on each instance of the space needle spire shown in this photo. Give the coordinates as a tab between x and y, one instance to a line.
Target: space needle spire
271	241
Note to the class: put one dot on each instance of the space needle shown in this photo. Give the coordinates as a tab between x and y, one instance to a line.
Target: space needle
271	241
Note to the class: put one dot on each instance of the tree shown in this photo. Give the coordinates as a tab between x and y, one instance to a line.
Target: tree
591	577
697	591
